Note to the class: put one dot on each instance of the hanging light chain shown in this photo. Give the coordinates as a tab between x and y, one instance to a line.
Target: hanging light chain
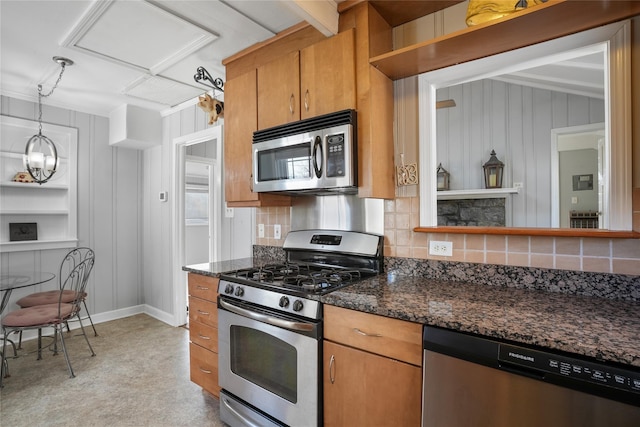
41	95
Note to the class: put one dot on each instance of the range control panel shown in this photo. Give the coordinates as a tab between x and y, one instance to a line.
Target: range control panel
326	239
621	379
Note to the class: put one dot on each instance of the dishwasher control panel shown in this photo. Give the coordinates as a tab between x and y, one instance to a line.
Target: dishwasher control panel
570	367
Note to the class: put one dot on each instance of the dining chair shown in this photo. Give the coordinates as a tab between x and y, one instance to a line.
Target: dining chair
69	262
55	315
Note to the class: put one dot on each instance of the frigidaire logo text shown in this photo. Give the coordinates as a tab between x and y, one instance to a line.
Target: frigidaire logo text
521	356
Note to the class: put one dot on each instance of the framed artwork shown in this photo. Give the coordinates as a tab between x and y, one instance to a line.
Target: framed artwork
20	231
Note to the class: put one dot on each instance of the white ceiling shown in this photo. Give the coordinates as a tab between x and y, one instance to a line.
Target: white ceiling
139	52
146	52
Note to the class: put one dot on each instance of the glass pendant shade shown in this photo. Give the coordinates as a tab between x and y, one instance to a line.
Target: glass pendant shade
40	158
40	155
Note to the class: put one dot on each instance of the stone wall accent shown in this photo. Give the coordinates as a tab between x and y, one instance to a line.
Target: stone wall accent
472	212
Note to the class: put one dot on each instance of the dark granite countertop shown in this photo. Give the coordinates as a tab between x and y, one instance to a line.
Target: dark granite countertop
605	329
214	269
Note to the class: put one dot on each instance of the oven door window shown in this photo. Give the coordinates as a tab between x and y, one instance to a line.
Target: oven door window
283	163
264	360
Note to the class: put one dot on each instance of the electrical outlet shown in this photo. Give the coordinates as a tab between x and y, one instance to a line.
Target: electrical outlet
228	212
261	231
277	232
517	185
440	248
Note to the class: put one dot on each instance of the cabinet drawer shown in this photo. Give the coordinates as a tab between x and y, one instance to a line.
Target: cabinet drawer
203	311
397	339
204	335
205	287
204	368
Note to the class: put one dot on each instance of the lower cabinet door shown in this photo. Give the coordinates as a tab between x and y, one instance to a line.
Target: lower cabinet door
364	389
204	368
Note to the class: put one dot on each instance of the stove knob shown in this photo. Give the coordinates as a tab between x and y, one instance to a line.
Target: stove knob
297	305
229	289
284	302
239	291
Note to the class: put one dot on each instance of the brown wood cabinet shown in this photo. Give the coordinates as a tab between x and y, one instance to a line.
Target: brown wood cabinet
241	115
316	80
376	167
333	74
372	371
278	91
203	332
328	76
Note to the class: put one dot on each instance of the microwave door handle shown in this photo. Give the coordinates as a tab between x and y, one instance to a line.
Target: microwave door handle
317	148
286	324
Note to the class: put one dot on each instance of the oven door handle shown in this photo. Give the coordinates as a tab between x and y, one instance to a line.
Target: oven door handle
286	324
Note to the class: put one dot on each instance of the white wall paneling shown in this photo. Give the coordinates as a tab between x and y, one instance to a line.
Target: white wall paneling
162	269
108	214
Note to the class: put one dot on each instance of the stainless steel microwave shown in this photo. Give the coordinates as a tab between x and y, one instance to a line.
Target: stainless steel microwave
311	156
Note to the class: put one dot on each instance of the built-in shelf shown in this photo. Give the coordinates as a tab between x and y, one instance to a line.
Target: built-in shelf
485	193
34	212
37	245
558	18
33	186
52	206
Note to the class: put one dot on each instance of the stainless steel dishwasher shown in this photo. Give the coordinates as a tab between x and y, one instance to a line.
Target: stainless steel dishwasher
473	381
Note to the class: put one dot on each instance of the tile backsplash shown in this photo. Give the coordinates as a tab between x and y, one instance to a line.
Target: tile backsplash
620	256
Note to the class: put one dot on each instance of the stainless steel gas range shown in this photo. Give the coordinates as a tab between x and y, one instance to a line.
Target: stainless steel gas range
270	326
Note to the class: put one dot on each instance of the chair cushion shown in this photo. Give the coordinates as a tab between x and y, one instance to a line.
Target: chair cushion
47	297
38	315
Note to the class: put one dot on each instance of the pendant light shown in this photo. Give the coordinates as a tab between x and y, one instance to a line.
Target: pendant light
41	156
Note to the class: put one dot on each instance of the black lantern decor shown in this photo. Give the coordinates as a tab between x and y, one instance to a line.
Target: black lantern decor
493	172
443	178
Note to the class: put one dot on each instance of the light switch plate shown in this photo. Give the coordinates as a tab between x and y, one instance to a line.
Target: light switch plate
261	231
277	232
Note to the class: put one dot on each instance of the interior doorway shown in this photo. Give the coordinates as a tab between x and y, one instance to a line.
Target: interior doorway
578	175
201	151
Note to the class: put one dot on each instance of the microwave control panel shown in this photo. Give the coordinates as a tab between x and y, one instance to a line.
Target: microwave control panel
335	155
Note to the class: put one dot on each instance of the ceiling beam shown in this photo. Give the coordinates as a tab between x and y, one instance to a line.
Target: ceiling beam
322	14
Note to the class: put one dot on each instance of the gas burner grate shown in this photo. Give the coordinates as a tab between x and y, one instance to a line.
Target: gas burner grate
321	279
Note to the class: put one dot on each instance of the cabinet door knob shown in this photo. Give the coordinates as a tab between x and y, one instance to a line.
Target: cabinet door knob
306	100
291	101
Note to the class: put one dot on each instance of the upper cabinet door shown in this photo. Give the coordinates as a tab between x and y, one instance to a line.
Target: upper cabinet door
240	123
279	91
328	76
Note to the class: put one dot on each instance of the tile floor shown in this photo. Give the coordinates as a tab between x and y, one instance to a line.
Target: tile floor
139	377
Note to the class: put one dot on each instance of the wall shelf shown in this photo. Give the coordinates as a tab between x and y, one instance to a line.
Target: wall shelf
484	193
52	205
559	18
37	245
30	186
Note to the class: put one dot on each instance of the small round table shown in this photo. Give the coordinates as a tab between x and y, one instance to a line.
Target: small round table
9	282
